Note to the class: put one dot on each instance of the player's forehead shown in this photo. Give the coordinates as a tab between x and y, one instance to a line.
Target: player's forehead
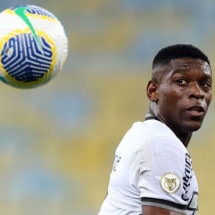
189	64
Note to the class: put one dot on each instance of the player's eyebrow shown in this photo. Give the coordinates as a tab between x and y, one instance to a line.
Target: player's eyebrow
178	70
188	67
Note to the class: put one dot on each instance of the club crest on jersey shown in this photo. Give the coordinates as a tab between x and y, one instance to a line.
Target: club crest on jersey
170	183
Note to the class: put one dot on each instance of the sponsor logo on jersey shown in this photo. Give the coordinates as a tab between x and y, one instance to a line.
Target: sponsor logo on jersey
187	177
170	183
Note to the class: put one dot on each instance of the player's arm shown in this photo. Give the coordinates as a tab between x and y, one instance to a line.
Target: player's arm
151	210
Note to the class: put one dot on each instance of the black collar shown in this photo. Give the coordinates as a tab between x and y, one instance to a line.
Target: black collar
150	116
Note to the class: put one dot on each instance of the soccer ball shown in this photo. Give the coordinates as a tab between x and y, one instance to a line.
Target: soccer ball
33	46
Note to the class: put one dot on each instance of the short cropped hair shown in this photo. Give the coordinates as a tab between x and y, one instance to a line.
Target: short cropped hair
165	55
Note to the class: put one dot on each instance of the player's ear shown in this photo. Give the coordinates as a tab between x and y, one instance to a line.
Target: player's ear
152	91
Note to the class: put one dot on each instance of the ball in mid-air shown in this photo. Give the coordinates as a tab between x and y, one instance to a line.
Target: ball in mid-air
33	46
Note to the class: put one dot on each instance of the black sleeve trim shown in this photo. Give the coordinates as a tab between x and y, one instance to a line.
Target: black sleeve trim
163	202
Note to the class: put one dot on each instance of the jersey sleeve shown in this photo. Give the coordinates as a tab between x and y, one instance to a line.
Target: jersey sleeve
157	172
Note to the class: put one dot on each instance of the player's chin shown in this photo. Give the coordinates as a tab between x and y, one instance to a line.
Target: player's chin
193	123
193	126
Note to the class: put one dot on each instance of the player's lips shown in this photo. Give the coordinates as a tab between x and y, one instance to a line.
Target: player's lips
196	110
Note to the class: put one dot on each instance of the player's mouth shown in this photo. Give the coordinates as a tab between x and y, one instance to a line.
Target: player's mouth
196	111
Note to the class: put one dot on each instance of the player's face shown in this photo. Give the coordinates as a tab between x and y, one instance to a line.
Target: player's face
184	94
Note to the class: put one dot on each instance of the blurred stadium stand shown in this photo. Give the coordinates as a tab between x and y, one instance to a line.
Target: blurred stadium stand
57	141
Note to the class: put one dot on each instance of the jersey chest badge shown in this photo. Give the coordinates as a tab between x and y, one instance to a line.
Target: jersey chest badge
170	183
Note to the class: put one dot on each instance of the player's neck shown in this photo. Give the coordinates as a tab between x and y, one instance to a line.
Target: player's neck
183	137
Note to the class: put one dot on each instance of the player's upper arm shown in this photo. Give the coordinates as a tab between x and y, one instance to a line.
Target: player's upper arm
151	210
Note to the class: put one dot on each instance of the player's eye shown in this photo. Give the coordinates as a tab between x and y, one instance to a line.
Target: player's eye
206	84
181	81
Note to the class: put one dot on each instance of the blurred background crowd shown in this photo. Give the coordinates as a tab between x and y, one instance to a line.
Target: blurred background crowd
57	141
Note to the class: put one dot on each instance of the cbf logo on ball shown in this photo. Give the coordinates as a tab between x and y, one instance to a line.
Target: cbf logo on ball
33	46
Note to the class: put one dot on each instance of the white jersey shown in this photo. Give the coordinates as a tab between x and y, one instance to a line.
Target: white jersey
152	167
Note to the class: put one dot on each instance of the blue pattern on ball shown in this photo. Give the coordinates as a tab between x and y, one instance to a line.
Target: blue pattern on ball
23	59
35	10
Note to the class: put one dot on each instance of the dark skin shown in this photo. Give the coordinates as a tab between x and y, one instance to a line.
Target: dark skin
179	93
149	210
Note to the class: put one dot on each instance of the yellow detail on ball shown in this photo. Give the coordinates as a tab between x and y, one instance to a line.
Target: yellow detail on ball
33	46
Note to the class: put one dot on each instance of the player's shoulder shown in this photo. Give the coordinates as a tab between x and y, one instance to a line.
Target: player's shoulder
152	128
149	135
153	132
